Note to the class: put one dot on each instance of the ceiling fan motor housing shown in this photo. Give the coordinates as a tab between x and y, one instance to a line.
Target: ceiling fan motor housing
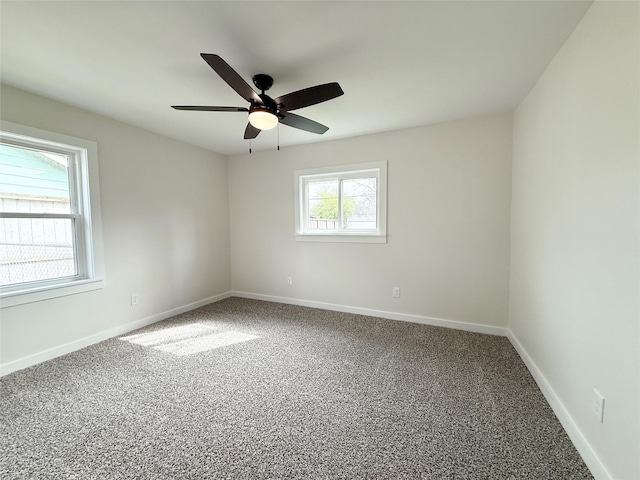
267	103
256	107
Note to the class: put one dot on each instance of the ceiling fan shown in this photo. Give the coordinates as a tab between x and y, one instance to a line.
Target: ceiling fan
265	112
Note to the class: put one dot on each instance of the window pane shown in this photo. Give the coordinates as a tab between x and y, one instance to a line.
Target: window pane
33	181
359	204
34	249
323	204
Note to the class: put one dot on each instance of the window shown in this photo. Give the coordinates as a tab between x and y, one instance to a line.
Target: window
50	236
342	204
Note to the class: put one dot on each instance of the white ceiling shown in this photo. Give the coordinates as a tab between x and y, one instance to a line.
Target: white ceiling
400	64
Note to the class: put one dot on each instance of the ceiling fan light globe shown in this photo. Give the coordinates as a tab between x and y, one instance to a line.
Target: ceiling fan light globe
263	119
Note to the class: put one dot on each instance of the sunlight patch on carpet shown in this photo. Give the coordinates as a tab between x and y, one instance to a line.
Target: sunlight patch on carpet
188	339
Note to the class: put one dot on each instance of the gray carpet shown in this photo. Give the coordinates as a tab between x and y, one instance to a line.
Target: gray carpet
302	393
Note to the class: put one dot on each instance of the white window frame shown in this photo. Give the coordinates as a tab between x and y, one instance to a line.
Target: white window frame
301	177
84	190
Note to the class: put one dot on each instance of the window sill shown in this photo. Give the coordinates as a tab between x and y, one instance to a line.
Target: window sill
352	238
37	294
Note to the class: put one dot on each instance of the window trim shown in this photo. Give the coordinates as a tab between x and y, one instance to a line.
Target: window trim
342	171
85	192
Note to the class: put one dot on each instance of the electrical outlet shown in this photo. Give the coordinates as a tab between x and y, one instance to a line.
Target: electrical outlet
135	299
597	405
396	292
289	280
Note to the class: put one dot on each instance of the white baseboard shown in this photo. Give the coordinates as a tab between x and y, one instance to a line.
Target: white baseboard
405	317
52	353
584	448
60	350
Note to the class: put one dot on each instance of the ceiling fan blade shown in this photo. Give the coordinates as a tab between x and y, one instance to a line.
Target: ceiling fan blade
232	77
251	132
309	96
303	123
209	109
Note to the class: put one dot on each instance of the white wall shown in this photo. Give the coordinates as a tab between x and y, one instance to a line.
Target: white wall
575	234
165	223
448	225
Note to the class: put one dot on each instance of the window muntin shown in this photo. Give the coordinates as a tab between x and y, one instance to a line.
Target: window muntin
49	230
345	203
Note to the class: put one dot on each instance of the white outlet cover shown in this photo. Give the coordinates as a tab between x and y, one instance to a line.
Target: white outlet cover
597	405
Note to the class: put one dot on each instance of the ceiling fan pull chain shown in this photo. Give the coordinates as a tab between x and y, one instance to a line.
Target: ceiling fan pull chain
278	135
249	146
